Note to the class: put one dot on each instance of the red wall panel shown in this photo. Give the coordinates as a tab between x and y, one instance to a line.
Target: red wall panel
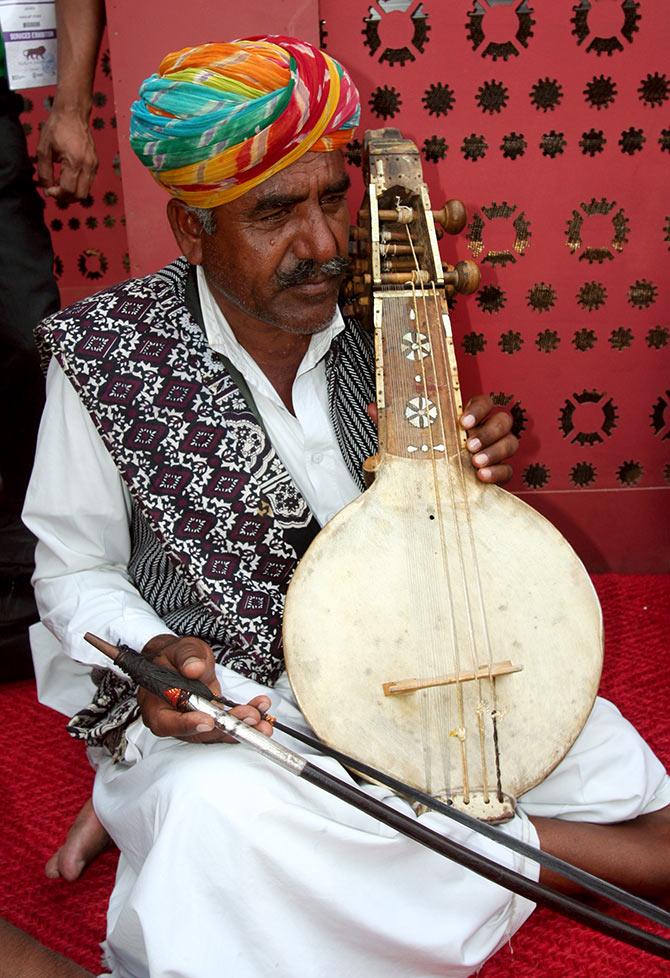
551	122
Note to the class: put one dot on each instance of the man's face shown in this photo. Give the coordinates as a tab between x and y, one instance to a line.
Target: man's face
266	258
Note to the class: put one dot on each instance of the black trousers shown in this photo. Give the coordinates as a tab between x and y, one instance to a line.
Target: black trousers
28	293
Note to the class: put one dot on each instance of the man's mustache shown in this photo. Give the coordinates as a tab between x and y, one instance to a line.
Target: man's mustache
308	270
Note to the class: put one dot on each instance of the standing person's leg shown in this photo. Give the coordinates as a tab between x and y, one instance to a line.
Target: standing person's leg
28	293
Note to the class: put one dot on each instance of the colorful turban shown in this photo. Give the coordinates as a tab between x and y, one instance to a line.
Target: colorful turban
219	119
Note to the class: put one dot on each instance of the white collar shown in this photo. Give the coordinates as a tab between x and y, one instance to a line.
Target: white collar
222	339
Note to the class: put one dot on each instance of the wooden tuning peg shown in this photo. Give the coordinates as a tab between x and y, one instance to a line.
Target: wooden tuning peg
464	277
452	217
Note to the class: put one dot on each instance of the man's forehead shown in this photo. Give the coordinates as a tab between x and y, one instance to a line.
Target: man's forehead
326	169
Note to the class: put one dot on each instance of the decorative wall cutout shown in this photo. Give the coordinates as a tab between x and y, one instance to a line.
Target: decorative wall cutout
490	298
435	149
474	147
600	92
474	343
613	43
547	341
642	293
593	253
570	418
592	142
584	339
632	140
385	102
417	31
592	295
541	297
476	27
513	145
536	476
546	94
499	212
510	341
583	474
621	338
492	97
658	337
654	90
630	473
553	143
438	99
660	416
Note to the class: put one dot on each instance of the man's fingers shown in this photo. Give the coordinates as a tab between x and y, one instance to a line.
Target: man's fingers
498	474
69	175
500	450
475	411
164	721
45	166
194	659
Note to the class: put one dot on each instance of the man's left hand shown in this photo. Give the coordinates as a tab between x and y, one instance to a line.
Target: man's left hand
490	439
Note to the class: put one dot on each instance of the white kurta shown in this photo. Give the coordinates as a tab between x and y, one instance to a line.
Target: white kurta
230	866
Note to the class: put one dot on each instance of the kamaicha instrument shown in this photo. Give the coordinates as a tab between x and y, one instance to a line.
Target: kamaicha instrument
187	694
455	622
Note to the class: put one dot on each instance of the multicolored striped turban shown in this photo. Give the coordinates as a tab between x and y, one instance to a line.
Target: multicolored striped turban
219	119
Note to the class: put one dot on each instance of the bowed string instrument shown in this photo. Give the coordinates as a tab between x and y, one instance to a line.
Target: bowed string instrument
437	628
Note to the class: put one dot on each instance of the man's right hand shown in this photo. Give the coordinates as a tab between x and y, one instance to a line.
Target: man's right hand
66	140
194	659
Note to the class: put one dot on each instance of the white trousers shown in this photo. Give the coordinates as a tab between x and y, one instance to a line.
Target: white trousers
232	867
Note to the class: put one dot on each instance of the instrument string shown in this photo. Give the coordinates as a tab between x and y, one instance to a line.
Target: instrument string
448	442
436	665
457	482
424	587
479	594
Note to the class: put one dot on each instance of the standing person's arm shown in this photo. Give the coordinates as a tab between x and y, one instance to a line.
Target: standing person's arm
66	138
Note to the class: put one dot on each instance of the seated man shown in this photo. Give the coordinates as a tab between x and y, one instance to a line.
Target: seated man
201	424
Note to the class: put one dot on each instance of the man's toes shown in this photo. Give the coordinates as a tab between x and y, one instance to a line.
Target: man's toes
51	870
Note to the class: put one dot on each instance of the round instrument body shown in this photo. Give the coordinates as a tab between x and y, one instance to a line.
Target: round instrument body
395	587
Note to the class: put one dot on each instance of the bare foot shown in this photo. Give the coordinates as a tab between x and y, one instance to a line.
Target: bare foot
85	840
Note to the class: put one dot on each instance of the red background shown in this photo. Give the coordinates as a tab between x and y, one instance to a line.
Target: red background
589	386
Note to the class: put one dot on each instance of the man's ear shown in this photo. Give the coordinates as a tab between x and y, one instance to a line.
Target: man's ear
187	230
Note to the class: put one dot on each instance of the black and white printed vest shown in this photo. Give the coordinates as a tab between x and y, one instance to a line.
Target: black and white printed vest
218	524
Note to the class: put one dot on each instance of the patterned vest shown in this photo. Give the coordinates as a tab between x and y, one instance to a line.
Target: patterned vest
218	524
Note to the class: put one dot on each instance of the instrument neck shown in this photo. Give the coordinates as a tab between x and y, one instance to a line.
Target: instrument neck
418	389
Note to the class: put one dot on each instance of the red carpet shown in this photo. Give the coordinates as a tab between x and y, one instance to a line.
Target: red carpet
46	779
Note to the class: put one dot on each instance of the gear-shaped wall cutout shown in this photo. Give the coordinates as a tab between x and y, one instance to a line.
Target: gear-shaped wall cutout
593	253
658	337
600	92
612	44
630	473
592	295
523	30
417	31
654	90
385	101
536	475
583	474
503	212
584	339
474	343
660	416
492	96
84	264
569	418
438	99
